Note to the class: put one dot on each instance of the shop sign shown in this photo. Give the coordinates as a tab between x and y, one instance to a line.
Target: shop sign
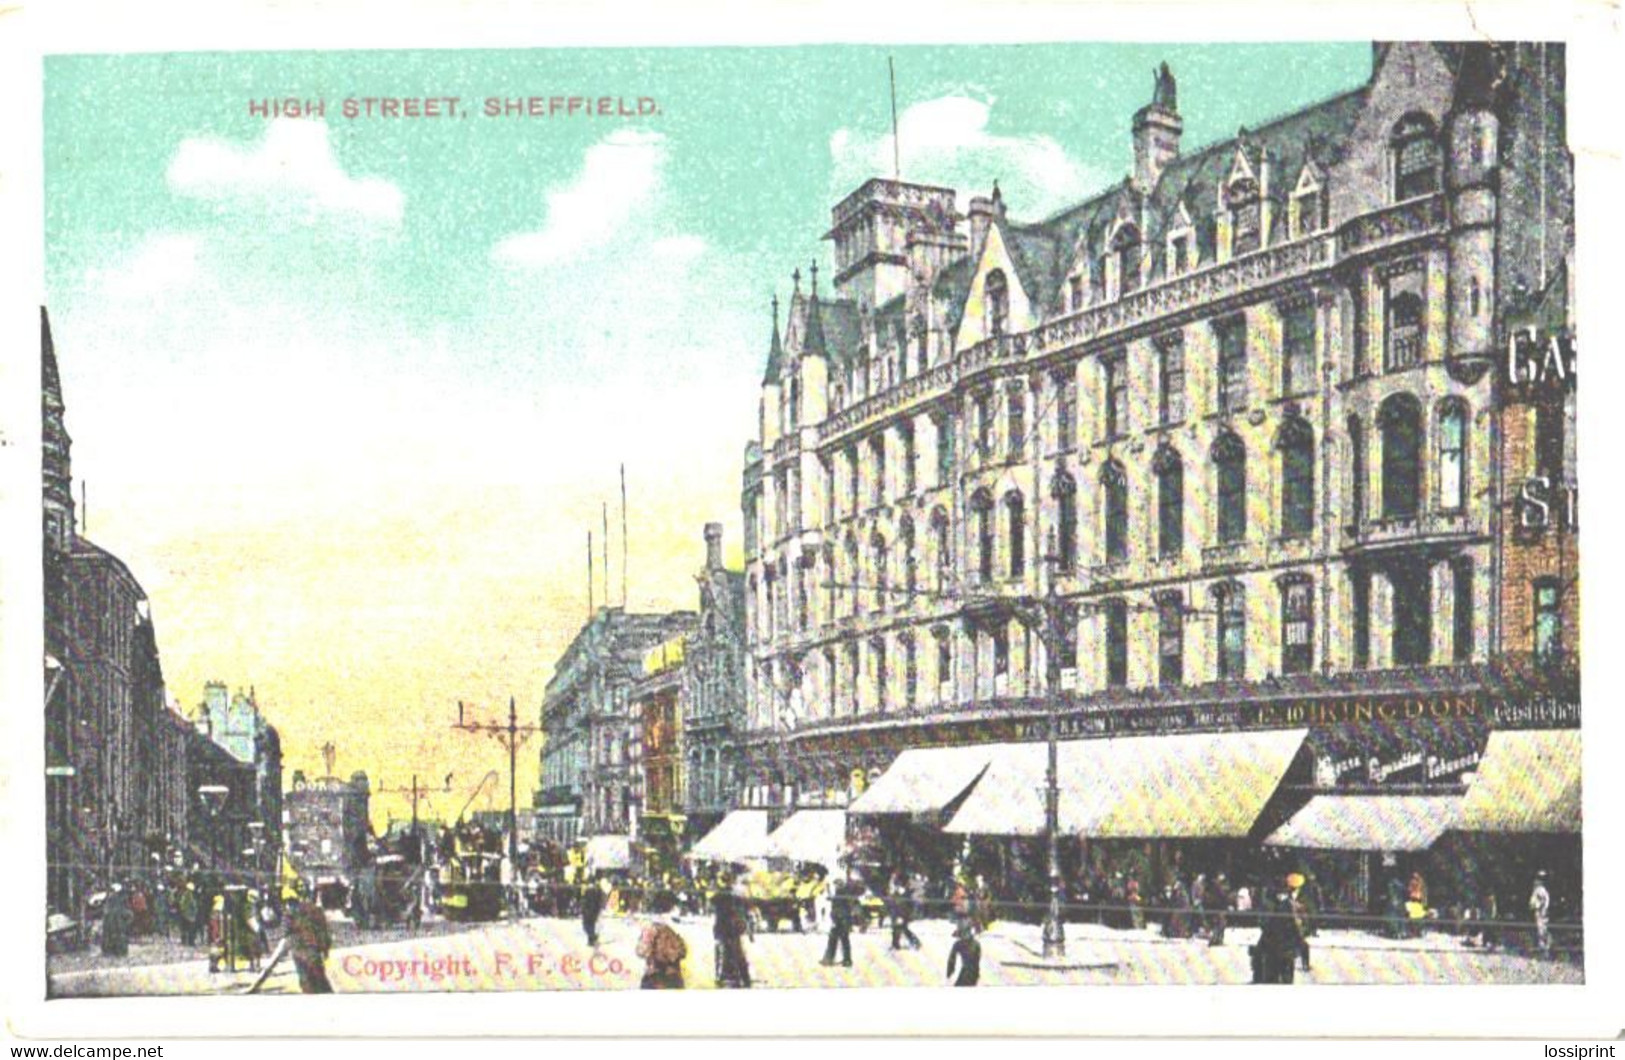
1535	714
1276	715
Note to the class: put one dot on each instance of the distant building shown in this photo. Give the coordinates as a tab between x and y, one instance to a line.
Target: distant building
115	794
328	827
587	781
234	722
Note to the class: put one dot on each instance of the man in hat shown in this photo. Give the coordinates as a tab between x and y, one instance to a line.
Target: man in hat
966	955
309	940
1540	907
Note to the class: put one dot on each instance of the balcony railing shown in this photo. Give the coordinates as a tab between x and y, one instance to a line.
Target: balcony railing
1191	290
1225	556
1405	528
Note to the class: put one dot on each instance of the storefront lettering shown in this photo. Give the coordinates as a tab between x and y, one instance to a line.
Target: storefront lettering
1535	713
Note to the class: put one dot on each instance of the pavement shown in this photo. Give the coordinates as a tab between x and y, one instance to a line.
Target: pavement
543	953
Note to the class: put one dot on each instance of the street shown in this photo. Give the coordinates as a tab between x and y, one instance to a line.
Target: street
543	953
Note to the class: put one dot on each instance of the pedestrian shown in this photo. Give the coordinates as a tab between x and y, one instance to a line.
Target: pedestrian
1395	907
1295	883
1216	903
592	904
901	914
189	911
982	904
663	951
309	941
116	919
728	929
1416	903
1540	908
966	955
840	926
1135	902
1276	953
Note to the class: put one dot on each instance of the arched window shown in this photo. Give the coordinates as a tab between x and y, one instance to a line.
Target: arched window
1231	616
1170	639
1015	510
1296	443
1415	157
1452	456
880	558
1116	613
982	512
1114	507
851	575
1400	420
1170	472
941	551
1230	480
997	290
1065	492
1356	512
911	573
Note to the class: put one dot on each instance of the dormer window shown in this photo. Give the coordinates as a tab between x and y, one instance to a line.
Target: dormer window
1126	246
998	302
1306	207
1179	254
1246	217
1415	151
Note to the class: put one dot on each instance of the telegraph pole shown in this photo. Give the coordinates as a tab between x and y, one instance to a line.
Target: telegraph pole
511	735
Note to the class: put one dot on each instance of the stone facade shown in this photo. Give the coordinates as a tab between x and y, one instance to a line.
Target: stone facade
588	783
1236	412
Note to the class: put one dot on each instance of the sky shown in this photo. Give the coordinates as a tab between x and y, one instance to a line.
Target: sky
348	394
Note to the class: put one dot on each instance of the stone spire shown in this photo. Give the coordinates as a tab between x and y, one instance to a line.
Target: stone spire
775	351
812	343
57	446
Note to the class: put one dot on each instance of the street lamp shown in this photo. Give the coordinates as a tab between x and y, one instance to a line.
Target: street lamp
213	798
256	830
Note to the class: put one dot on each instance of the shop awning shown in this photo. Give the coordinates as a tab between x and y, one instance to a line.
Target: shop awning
1369	822
739	835
817	837
924	779
1186	785
1528	781
609	852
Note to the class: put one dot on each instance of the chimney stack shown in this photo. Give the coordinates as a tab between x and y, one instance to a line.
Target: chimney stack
1157	127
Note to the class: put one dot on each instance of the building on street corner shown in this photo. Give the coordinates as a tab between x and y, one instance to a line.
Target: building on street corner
1241	414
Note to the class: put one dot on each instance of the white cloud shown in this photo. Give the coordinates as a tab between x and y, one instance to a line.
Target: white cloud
291	167
162	263
678	248
620	175
947	141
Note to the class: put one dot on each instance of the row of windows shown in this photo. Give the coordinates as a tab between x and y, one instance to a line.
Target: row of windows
1005	521
846	666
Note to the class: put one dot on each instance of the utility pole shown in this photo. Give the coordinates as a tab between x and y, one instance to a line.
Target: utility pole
511	736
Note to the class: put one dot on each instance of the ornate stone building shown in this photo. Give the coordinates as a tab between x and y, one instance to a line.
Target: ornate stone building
1236	412
589	785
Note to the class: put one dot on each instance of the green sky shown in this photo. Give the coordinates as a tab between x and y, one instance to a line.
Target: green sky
349	394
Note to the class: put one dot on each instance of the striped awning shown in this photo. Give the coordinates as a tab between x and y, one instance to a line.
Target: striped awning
1185	785
817	837
738	836
924	779
1369	822
1528	781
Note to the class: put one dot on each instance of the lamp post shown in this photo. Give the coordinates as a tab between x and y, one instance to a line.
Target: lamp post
213	799
510	736
256	830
